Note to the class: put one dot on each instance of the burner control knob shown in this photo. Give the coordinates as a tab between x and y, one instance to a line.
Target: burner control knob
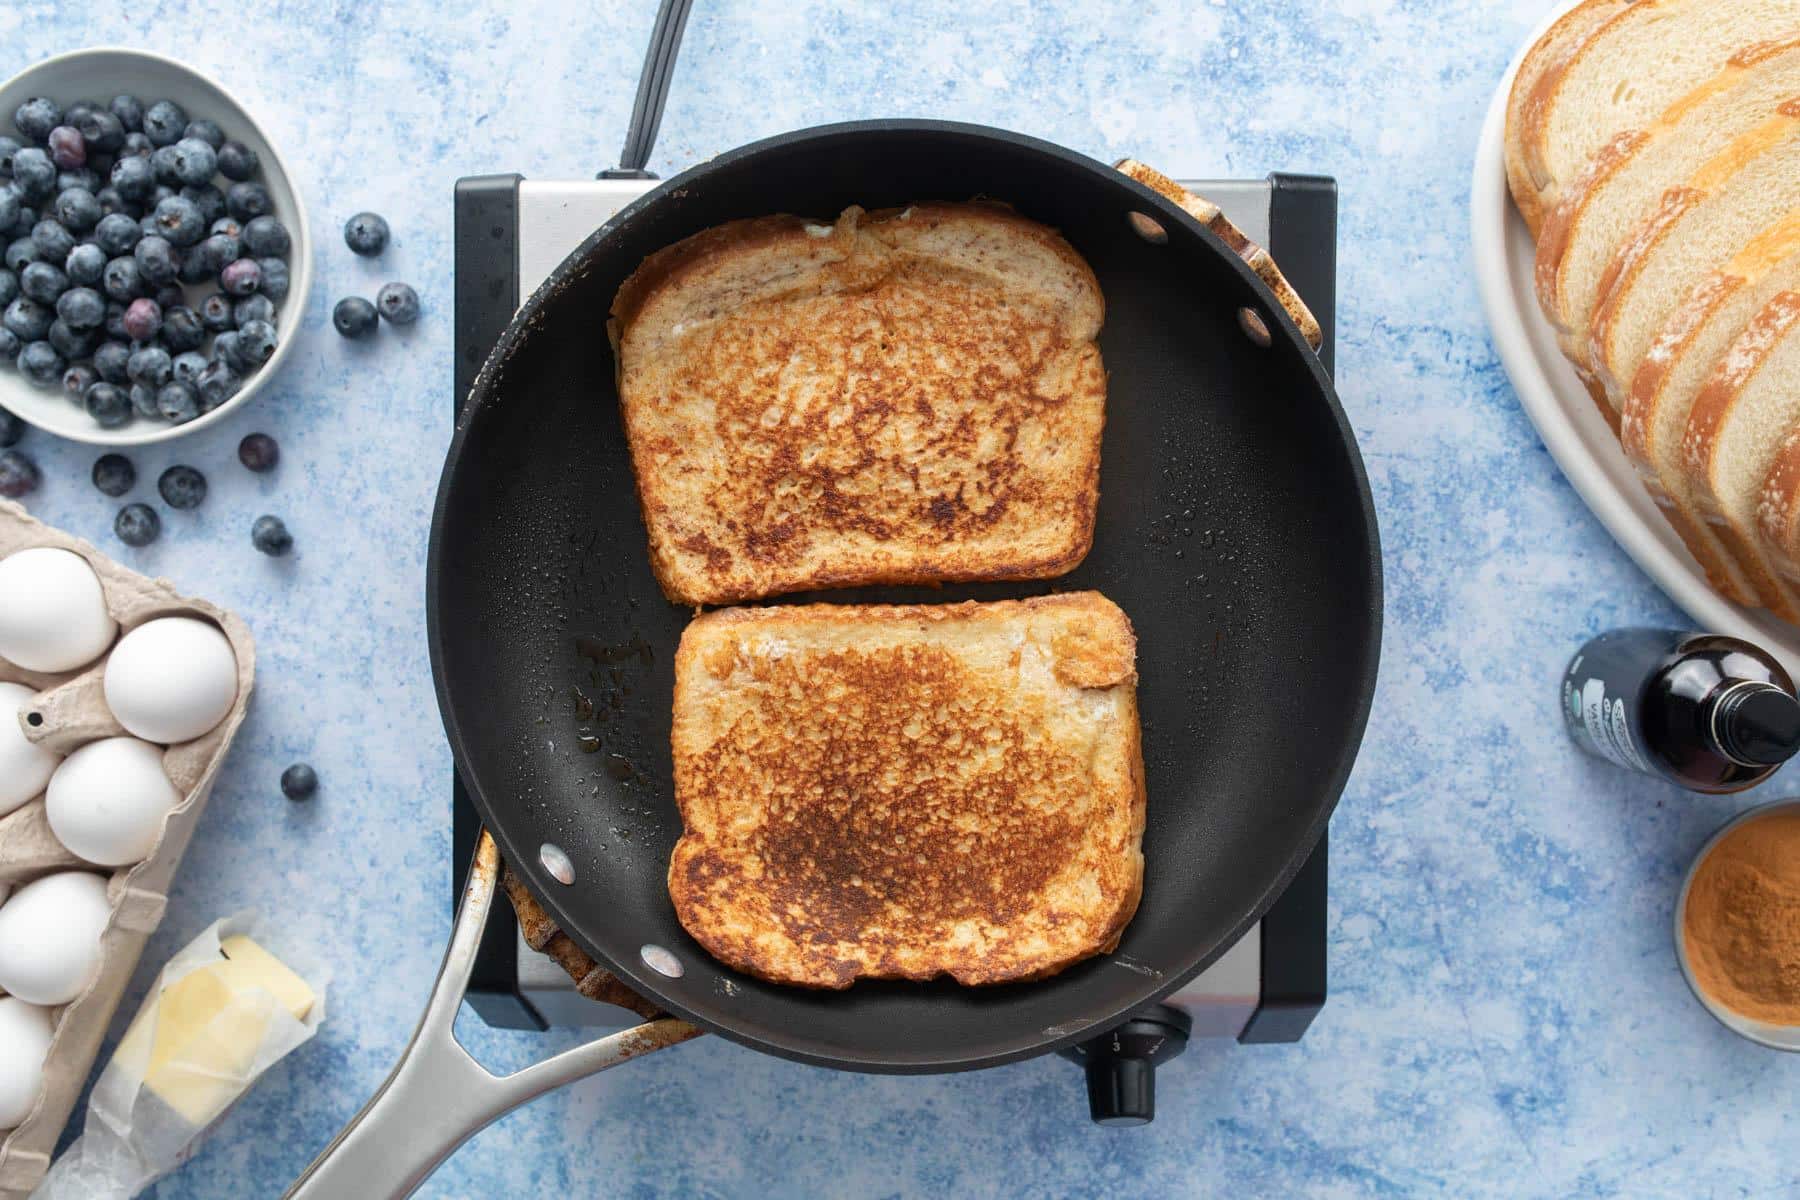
1121	1064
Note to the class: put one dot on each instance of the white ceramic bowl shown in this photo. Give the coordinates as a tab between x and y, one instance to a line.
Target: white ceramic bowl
100	74
1778	1037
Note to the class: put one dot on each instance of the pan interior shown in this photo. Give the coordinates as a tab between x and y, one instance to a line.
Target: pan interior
1234	529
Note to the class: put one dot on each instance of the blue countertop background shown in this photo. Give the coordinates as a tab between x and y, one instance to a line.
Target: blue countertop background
1506	1015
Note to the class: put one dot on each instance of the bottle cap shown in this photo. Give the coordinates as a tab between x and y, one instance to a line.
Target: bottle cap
1757	724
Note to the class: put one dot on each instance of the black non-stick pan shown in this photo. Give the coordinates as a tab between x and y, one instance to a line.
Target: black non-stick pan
1235	529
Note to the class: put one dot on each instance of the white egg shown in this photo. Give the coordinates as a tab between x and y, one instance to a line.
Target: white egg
108	799
50	936
25	1031
52	610
172	679
24	766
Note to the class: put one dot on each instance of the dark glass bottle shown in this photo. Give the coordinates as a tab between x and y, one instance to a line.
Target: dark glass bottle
1711	713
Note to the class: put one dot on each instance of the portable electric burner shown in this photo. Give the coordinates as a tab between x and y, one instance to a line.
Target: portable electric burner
511	233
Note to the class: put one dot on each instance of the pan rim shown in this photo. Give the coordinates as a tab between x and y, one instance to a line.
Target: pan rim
756	1036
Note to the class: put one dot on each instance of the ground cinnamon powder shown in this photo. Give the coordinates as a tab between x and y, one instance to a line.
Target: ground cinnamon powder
1742	924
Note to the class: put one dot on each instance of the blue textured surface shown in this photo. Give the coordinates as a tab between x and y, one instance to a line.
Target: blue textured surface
1506	1015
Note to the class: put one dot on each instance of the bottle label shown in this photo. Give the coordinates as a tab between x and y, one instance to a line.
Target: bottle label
1600	722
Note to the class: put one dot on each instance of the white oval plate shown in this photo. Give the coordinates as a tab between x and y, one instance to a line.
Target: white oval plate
1573	430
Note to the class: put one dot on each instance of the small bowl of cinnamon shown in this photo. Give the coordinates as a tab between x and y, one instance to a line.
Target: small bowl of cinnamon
1737	925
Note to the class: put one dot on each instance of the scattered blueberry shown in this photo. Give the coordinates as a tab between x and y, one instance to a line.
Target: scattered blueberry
133	177
34	175
82	308
137	525
181	329
42	282
398	303
196	162
271	536
20	252
256	343
37	117
265	237
76	381
114	474
41	364
164	123
182	487
19	475
12	429
77	209
188	364
9	287
108	404
116	234
259	452
299	781
178	403
67	150
123	280
240	278
208	199
143	401
150	366
216	312
354	317
85	264
156	260
27	318
275	278
366	234
143	319
217	383
253	308
246	200
237	161
52	240
112	362
178	219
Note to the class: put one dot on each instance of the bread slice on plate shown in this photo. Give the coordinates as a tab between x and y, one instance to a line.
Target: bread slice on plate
1778	512
1678	364
1750	185
903	792
907	396
1743	415
1628	72
1538	70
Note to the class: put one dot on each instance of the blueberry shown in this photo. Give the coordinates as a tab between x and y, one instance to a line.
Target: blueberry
115	321
158	194
75	112
143	320
216	312
163	164
21	253
42	282
34	175
366	234
208	199
42	365
26	222
137	525
9	146
217	383
156	260
256	343
398	303
229	226
253	308
85	178
226	349
178	403
204	262
102	131
237	161
37	117
129	110
187	366
12	429
137	145
123	279
82	308
133	178
27	318
143	401
112	361
9	287
53	240
76	381
150	366
240	278
182	487
271	536
245	200
70	342
19	475
77	209
275	278
114	474
181	329
10	345
259	452
67	150
116	234
165	122
299	781
178	220
9	207
85	264
108	404
168	296
196	162
110	201
265	237
354	317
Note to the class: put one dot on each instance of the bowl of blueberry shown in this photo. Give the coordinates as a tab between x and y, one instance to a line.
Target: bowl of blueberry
156	257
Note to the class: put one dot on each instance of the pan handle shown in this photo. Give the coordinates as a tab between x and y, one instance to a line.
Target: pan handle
1208	214
438	1096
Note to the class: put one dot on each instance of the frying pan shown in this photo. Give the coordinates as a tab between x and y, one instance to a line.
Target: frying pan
1235	528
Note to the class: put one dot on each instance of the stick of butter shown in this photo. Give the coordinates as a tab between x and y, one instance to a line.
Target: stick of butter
200	1040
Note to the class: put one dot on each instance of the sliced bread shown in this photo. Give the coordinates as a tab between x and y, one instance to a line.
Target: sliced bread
1778	512
1677	365
1631	69
1746	409
1747	187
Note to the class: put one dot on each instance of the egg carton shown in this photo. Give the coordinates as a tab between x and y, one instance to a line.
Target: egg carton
70	711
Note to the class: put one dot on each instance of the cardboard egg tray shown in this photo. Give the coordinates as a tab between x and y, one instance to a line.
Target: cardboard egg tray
70	710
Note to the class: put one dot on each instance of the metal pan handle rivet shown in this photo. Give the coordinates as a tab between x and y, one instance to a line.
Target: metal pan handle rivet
556	861
662	961
1147	227
1254	327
